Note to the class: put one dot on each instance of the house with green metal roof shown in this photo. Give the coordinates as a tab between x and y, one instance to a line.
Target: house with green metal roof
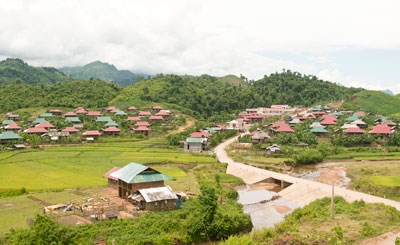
47	114
195	144
111	124
9	136
352	118
103	119
8	122
319	130
120	113
135	176
39	120
73	119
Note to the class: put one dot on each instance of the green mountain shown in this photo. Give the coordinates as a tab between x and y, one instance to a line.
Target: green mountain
375	102
207	96
93	94
103	71
16	69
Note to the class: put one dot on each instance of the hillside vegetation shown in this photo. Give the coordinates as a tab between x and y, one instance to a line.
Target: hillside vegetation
103	71
93	94
16	69
208	96
375	102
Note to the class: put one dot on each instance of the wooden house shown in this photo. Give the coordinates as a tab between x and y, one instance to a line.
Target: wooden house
132	108
142	130
155	199
144	114
9	136
91	135
13	127
134	176
93	114
112	181
70	130
112	130
56	112
70	114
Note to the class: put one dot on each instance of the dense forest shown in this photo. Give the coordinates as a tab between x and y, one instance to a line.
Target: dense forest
208	96
16	69
92	94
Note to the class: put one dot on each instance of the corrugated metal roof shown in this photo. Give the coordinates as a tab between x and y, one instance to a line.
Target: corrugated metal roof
8	122
39	120
133	173
103	119
318	129
9	135
195	140
73	119
158	194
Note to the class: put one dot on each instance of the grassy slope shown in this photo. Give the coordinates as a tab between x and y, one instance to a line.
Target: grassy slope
353	223
234	80
375	102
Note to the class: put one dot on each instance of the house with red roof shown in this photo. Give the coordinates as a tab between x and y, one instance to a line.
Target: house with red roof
132	108
360	113
55	112
91	135
133	119
327	122
36	131
144	113
13	127
81	110
12	116
112	181
142	130
354	130
157	107
284	129
381	129
70	130
70	114
277	124
162	113
111	109
142	123
201	134
112	130
93	114
156	118
45	125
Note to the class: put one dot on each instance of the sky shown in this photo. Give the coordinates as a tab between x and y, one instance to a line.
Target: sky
350	42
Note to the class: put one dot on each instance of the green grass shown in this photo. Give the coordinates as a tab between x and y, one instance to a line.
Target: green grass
375	102
386	180
83	166
15	211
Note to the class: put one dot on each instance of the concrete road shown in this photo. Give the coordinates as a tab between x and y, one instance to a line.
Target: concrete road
303	191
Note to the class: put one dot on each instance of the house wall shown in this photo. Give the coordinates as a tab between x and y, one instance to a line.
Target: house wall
160	205
125	189
113	183
193	147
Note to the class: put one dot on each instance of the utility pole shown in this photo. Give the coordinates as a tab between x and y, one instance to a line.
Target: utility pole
333	201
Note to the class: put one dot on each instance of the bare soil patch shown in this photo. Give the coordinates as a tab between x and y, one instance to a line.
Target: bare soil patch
282	209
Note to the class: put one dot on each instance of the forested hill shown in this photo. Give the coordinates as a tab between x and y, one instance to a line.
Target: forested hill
103	71
16	69
92	94
207	96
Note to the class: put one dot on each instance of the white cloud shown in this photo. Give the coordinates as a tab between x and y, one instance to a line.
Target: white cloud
194	37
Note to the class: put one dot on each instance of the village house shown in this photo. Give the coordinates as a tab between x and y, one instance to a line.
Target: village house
132	108
9	136
135	176
155	199
274	110
142	130
91	135
237	124
112	130
259	136
112	181
195	144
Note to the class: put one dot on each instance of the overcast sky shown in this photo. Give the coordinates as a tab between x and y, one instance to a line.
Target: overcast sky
352	42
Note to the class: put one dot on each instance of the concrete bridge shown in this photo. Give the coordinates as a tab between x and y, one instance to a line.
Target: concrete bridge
299	190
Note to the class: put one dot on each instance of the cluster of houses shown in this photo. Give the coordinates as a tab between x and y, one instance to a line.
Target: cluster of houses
323	118
144	187
139	122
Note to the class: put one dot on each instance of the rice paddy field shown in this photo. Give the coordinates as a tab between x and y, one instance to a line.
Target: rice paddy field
83	166
58	174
